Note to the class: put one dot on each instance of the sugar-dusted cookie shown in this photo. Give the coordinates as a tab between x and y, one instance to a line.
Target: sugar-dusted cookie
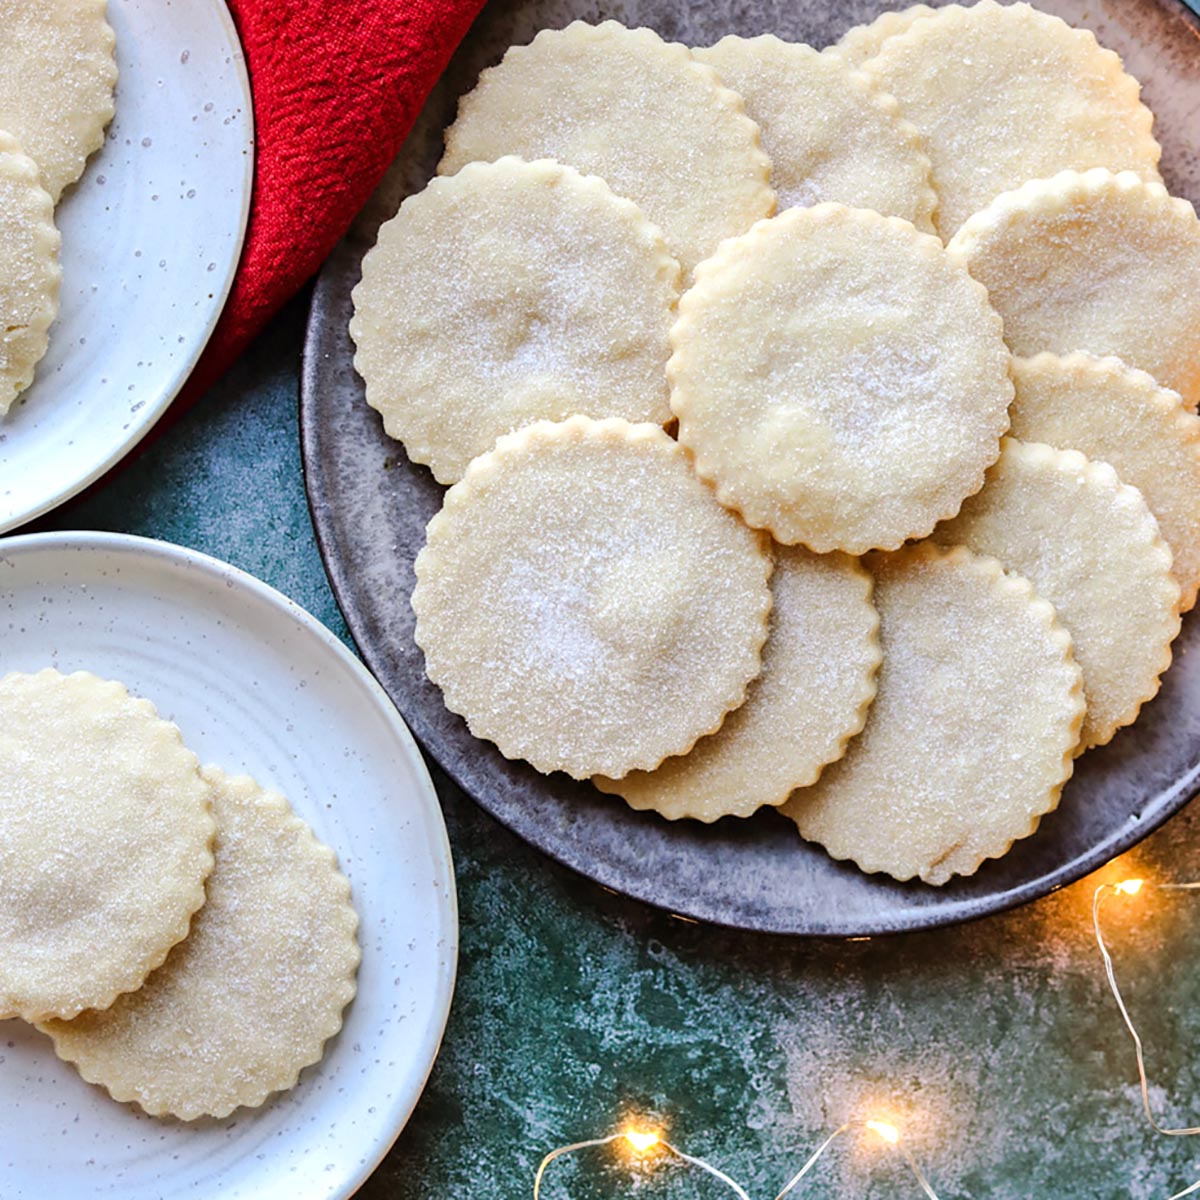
105	836
57	75
1003	93
1112	413
1090	546
971	735
817	682
29	270
258	987
861	42
829	134
584	601
839	379
1097	261
639	112
508	293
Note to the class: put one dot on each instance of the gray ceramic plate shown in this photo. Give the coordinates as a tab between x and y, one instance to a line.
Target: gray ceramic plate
370	506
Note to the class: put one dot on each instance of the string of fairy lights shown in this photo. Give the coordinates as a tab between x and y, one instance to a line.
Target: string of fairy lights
644	1144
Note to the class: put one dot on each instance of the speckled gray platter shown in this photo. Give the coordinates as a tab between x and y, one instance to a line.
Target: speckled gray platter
370	507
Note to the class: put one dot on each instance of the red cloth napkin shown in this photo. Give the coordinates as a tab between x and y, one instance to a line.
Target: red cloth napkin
337	85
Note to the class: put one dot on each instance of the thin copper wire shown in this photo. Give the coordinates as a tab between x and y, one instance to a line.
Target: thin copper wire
898	1146
1110	972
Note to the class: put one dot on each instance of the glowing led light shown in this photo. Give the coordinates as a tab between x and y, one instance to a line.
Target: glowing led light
886	1130
642	1140
1130	887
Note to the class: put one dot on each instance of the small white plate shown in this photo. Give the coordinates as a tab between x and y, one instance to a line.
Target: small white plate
151	238
256	685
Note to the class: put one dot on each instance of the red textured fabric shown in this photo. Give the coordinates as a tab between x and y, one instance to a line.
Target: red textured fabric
337	85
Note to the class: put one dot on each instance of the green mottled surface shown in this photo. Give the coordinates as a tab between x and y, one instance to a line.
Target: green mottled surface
996	1044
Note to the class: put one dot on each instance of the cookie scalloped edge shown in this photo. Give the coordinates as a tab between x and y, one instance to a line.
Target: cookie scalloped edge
316	851
584	30
710	279
1079	364
484	469
39	220
850	46
837	747
192	896
463	182
1045	613
869	91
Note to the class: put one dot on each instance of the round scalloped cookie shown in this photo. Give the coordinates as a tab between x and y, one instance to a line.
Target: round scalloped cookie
973	729
841	381
1004	93
639	112
105	836
861	42
1092	548
508	293
29	270
1100	262
1114	414
584	601
817	682
256	990
57	75
828	133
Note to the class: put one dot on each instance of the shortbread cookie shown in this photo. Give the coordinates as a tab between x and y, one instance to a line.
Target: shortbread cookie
817	682
105	836
1112	413
1003	93
971	735
862	42
29	270
1090	546
639	112
57	75
584	601
828	133
508	293
1098	262
839	379
249	1000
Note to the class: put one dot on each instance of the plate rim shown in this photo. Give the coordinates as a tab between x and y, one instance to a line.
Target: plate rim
176	557
187	364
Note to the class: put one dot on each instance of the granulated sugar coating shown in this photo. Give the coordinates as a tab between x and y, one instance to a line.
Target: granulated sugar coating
29	270
639	112
861	42
972	732
841	382
1098	261
258	987
584	601
57	75
829	133
1114	414
1091	547
1004	93
104	842
817	682
508	293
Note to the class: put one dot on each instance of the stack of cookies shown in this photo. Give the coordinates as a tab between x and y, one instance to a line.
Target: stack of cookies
820	426
57	76
179	933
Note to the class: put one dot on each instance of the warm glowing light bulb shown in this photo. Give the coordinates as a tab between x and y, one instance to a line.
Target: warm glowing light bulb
886	1130
642	1139
1130	887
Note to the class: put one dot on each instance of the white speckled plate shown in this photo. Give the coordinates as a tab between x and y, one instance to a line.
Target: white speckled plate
256	685
151	234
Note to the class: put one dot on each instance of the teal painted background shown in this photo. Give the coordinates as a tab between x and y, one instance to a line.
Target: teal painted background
995	1044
